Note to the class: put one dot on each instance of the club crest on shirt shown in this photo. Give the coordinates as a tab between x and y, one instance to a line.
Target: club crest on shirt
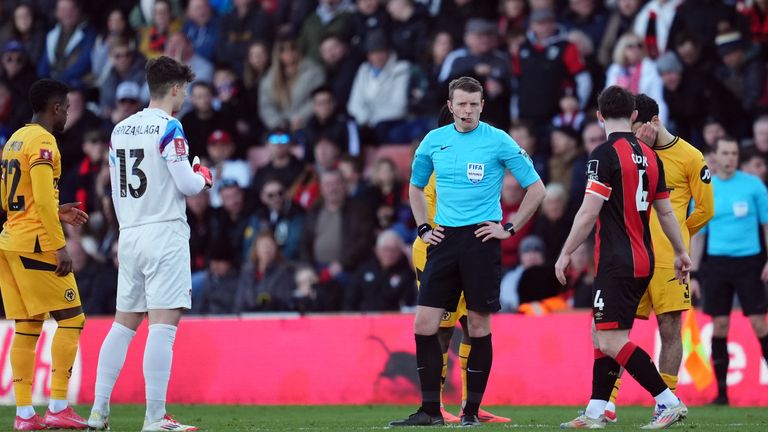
475	172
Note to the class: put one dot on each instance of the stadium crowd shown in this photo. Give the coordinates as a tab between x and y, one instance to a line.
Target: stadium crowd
308	113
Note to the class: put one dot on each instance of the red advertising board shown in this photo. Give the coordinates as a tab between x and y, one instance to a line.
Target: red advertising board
370	359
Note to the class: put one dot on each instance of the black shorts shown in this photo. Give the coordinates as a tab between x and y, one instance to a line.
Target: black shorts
462	262
615	300
726	276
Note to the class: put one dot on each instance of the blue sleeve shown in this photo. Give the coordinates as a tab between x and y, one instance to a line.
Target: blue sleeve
517	161
422	166
761	198
173	143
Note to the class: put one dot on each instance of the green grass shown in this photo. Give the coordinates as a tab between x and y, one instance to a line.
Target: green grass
368	418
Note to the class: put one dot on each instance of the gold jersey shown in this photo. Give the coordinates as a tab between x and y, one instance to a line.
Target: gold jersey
31	168
688	178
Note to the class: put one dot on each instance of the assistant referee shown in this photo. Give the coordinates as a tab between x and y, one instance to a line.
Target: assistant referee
735	264
468	158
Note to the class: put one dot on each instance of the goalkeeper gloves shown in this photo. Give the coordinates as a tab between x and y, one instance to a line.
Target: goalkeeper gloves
203	172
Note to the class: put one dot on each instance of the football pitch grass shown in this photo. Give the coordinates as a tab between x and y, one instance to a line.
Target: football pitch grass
372	418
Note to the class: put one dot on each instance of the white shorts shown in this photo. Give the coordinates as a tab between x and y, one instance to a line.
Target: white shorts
154	267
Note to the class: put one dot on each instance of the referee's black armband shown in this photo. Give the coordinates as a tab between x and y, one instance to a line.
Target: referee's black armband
423	229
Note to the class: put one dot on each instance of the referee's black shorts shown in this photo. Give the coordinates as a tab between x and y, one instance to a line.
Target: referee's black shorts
725	276
462	262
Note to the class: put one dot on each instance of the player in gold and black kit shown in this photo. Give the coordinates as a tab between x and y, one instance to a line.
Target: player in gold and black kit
448	323
689	183
35	270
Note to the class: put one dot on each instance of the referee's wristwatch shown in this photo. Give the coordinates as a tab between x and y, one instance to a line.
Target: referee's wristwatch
508	227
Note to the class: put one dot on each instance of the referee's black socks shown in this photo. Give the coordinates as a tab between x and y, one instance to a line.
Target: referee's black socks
478	370
429	363
720	362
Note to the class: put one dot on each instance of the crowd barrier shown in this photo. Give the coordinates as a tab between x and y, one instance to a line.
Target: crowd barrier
369	359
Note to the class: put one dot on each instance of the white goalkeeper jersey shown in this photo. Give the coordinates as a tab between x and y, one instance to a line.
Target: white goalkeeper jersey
142	149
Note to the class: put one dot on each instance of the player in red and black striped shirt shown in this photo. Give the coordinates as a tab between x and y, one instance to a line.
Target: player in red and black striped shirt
625	178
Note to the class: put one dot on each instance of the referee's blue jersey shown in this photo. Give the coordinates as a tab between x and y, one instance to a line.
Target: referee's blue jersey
469	169
741	207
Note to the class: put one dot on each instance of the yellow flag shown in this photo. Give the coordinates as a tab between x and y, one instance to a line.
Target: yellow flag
695	356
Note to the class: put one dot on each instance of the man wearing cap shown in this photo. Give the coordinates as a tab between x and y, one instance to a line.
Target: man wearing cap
547	64
221	148
19	74
480	59
379	97
742	72
282	165
128	95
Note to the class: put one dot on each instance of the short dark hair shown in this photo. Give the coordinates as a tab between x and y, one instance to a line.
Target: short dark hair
355	161
725	139
465	83
616	103
445	117
750	153
95	135
203	84
163	72
646	107
45	91
322	89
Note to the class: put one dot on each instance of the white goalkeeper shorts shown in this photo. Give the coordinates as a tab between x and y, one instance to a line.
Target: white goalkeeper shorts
154	267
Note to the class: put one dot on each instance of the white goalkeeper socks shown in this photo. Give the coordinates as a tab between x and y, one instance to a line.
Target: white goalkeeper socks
158	356
111	360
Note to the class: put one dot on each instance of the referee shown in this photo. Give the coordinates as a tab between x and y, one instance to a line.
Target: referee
734	263
468	158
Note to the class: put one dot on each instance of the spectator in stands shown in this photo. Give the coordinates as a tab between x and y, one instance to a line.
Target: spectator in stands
238	29
230	220
201	28
128	103
338	232
203	119
592	136
8	122
454	14
635	71
620	21
552	223
513	17
755	15
153	38
233	105
542	76
79	120
278	214
220	286
198	217
511	197
588	17
27	28
290	15
742	71
116	28
256	68
566	165
705	18
330	17
266	279
285	92
440	46
351	168
712	131
653	24
387	195
760	134
480	59
97	282
312	295
180	48
142	14
306	189
368	16
409	29
385	282
126	64
328	122
570	115
83	177
67	53
532	254
524	136
382	78
753	162
17	74
224	166
340	67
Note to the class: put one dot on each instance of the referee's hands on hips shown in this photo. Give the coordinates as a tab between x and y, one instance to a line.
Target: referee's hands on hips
492	230
433	236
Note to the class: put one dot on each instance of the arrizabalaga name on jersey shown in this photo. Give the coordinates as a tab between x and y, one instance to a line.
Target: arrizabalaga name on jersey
137	130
